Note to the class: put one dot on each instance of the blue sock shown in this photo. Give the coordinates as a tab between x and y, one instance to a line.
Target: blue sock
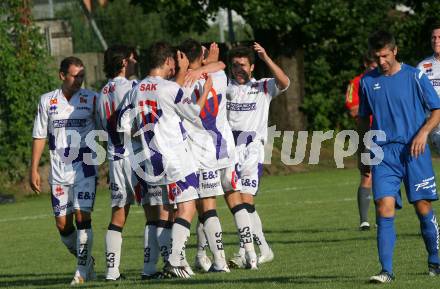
386	239
430	233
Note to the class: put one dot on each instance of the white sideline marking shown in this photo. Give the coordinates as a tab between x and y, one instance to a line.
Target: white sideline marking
35	217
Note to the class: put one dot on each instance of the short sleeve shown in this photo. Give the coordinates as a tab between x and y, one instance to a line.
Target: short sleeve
364	104
41	119
270	87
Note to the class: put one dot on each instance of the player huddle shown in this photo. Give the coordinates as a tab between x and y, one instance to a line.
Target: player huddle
176	140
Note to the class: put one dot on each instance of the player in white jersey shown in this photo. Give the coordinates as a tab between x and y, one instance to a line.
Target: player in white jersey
211	140
157	106
119	64
431	67
248	110
65	116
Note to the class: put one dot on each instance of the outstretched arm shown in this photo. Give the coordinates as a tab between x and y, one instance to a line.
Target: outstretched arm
193	75
279	75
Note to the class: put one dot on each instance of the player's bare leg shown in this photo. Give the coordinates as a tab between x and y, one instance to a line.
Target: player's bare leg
213	232
113	241
430	233
244	227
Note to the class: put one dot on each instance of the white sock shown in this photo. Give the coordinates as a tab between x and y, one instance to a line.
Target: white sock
84	243
113	244
213	231
69	240
202	242
164	238
179	236
258	235
243	223
151	249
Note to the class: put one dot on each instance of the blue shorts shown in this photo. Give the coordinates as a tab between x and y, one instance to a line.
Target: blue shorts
398	165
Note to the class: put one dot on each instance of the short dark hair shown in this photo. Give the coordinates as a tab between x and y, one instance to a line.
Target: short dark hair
241	51
114	57
435	26
192	49
381	39
158	53
68	61
368	58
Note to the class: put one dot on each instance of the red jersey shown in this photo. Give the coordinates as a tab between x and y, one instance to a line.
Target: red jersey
352	94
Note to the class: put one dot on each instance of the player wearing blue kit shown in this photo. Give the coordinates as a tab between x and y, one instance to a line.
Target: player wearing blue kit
397	96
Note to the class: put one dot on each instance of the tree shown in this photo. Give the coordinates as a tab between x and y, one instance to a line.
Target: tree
23	78
318	42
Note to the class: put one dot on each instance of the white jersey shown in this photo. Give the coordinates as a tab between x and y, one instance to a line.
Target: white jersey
108	109
431	67
57	119
210	136
157	107
248	108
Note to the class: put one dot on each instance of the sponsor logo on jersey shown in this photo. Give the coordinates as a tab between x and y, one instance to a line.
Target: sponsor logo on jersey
83	108
82	99
148	87
117	196
234	106
435	82
209	175
209	185
114	187
254	85
69	123
427	65
54	101
376	86
253	92
53	109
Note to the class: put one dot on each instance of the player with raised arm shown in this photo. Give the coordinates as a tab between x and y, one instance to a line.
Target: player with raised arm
65	116
119	64
397	96
211	140
157	107
431	67
248	111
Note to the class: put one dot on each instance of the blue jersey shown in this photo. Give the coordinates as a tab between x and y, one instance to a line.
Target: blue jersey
398	102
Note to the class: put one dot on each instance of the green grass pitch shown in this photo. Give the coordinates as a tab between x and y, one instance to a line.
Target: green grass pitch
310	220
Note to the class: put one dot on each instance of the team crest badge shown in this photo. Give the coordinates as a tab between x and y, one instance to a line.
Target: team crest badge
173	191
54	101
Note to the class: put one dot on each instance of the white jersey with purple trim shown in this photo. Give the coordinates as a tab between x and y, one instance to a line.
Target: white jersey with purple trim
248	108
58	119
108	109
431	67
157	106
210	136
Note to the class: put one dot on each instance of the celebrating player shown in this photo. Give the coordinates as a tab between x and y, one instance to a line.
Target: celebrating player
431	67
248	110
396	95
119	64
168	165
212	142
352	104
65	115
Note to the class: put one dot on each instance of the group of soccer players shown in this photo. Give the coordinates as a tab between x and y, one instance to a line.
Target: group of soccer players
176	140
